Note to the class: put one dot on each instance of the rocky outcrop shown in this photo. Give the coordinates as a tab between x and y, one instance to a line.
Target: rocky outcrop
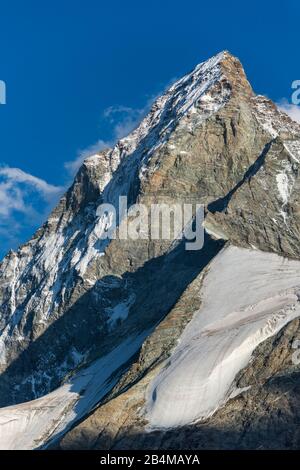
262	209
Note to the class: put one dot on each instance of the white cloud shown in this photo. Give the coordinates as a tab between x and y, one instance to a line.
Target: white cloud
291	109
24	202
123	120
73	166
15	177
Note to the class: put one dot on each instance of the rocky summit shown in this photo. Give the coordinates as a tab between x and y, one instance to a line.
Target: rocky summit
141	343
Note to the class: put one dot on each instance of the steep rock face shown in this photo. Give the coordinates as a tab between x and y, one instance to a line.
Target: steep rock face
57	292
262	210
100	319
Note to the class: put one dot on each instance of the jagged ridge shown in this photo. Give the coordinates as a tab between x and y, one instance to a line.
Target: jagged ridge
200	142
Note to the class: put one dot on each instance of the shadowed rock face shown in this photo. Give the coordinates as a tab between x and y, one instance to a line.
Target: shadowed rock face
55	278
264	417
209	139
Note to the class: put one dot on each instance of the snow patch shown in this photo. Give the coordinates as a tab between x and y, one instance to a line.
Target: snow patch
283	187
285	180
258	293
293	149
119	312
272	119
32	424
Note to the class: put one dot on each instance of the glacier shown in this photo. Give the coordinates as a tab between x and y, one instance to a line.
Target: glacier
211	122
247	296
33	424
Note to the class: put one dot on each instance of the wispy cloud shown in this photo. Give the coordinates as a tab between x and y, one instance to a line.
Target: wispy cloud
73	166
24	202
291	109
15	177
122	120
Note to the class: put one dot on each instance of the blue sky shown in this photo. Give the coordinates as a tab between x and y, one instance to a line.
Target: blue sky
80	72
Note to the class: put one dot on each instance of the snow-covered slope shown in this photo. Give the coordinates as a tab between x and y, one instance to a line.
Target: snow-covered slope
258	293
75	309
46	276
31	424
247	296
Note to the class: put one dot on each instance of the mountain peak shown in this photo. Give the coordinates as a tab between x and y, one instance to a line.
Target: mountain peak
76	307
207	87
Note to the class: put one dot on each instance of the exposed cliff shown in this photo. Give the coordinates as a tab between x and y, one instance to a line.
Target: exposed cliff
87	321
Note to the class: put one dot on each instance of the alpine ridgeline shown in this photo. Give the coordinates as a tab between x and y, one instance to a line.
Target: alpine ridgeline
142	343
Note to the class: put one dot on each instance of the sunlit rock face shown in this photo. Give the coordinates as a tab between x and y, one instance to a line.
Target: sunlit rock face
83	318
